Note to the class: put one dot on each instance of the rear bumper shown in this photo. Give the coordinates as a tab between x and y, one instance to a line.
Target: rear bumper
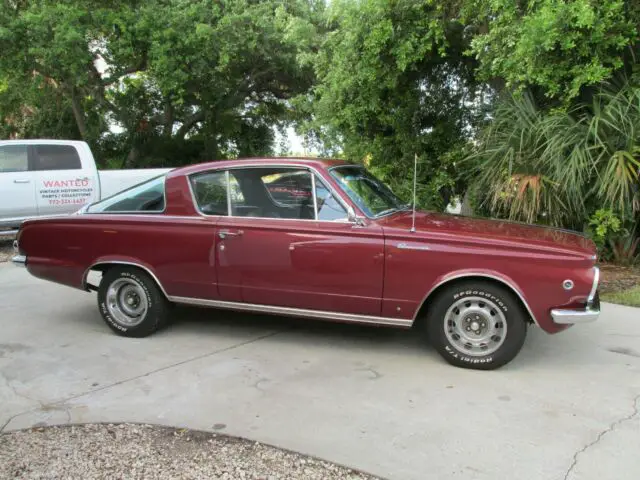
590	313
19	260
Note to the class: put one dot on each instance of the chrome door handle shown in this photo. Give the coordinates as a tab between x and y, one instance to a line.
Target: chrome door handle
224	234
22	181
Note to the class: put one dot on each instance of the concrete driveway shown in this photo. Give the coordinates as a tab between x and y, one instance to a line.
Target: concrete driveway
374	399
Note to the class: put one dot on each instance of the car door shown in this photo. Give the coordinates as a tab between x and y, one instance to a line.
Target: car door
62	186
17	186
274	249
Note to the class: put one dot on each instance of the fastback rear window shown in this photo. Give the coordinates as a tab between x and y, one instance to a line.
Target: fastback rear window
146	197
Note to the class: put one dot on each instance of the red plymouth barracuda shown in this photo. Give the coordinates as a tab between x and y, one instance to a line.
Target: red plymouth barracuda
319	239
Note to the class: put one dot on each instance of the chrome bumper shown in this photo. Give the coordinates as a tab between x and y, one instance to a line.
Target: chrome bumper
569	317
19	260
591	311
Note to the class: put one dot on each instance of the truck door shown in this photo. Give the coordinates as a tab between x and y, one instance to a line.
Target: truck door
17	186
63	186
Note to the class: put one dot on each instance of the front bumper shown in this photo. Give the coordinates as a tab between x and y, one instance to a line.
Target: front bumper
590	313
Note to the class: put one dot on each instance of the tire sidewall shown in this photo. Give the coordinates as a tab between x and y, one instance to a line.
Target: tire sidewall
149	322
515	319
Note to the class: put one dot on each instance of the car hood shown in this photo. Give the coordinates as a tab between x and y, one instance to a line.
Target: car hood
493	231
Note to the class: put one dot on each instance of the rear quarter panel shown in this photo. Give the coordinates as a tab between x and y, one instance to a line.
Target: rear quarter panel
179	251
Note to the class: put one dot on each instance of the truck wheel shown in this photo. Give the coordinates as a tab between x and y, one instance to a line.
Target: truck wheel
131	303
477	325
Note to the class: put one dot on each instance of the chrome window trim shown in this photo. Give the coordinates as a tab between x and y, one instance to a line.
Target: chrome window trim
315	173
227	177
194	200
130	212
512	287
362	167
86	206
294	312
315	197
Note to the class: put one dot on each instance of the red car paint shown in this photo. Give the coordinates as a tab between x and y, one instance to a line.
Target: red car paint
379	269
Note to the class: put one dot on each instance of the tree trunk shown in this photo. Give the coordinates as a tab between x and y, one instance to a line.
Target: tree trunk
78	114
168	119
132	157
466	208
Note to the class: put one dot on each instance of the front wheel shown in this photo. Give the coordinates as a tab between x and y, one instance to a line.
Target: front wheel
477	325
131	303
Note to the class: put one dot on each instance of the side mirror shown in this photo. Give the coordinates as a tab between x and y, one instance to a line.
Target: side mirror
353	218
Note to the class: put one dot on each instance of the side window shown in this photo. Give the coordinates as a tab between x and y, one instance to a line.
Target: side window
272	192
289	189
144	197
210	191
329	209
56	157
14	158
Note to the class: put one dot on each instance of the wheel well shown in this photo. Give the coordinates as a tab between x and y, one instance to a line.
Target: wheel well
436	291
103	268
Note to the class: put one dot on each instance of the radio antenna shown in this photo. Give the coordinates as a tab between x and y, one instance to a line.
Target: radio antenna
415	175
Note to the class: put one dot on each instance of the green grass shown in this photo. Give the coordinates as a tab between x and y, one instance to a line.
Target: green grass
629	297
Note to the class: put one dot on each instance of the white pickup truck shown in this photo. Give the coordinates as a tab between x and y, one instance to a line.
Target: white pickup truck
55	177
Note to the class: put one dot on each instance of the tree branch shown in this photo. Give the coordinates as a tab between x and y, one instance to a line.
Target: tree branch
189	123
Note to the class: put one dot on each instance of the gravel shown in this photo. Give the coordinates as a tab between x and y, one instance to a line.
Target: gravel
134	451
6	247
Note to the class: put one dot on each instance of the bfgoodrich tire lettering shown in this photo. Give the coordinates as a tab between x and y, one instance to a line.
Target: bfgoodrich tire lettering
476	324
131	303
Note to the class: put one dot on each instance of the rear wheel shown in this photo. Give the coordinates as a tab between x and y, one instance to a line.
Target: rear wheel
477	325
131	303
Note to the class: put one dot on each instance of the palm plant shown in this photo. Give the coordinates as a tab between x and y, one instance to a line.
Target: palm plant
554	167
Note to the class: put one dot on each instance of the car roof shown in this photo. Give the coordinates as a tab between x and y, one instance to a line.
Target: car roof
266	161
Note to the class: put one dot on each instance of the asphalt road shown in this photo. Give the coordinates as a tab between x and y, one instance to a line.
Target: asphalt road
375	399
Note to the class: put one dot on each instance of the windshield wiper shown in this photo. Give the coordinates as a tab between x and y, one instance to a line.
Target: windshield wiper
387	211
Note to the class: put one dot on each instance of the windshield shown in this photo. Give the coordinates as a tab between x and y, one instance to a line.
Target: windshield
373	197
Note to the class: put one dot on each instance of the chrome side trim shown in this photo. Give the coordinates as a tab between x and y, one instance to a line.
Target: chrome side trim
294	312
19	260
483	275
407	246
119	262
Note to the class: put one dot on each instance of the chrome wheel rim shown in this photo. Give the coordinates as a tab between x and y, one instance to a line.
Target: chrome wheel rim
127	302
475	326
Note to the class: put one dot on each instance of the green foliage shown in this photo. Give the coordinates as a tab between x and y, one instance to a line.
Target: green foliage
560	46
556	167
393	81
624	250
603	225
218	75
514	106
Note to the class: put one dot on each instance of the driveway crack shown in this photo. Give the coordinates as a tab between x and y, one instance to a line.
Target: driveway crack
610	428
143	375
